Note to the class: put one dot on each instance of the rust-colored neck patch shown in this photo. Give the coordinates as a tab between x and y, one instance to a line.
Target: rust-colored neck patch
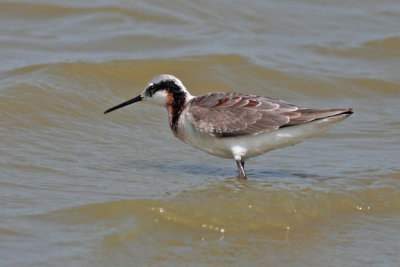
175	104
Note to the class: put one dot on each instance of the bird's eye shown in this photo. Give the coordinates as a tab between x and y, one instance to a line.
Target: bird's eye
151	90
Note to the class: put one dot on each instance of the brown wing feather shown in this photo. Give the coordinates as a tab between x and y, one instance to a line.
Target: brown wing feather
233	114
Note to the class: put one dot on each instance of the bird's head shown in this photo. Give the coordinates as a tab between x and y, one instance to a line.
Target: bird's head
165	90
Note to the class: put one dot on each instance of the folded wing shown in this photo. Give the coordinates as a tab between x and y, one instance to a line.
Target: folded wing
233	114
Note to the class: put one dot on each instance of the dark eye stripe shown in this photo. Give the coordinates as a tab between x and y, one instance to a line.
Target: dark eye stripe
168	85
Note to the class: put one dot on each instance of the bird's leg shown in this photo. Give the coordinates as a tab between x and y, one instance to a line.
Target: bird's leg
242	173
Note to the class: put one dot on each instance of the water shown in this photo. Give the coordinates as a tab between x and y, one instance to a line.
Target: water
81	188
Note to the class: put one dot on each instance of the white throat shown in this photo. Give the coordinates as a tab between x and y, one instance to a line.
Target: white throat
159	98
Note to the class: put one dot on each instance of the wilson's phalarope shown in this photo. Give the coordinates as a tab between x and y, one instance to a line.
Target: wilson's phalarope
233	125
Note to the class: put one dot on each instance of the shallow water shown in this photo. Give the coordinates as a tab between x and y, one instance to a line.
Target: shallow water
81	188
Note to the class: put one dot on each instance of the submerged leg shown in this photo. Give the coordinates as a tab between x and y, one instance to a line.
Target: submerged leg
242	173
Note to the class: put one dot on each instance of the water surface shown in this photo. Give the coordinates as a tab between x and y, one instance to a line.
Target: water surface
81	188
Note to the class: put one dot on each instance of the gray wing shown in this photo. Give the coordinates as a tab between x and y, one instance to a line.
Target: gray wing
232	114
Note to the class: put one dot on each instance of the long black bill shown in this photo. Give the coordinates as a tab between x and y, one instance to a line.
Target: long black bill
133	100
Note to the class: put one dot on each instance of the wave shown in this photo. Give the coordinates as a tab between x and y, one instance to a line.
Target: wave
42	11
237	209
383	48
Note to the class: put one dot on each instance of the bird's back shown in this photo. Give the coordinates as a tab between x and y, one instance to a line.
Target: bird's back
232	114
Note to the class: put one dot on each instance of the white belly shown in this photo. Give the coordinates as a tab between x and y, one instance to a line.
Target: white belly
243	147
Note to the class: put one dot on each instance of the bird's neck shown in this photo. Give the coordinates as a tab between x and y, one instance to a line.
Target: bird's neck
175	105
